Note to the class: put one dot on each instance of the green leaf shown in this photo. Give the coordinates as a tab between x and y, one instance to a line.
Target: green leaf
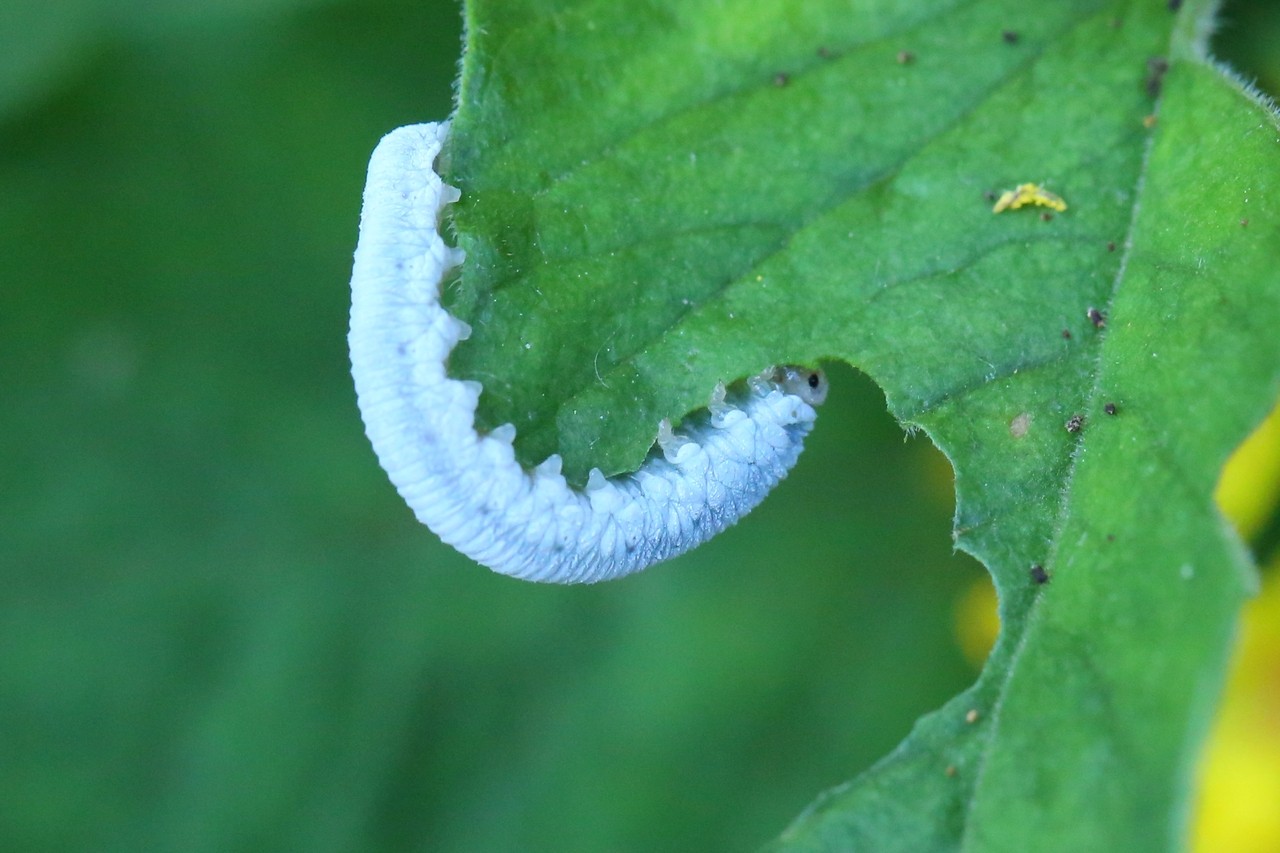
660	196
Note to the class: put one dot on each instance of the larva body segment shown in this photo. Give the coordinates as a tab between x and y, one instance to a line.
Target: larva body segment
469	488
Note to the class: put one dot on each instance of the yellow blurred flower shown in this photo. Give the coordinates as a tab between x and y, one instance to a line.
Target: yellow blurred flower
1239	800
1249	488
977	621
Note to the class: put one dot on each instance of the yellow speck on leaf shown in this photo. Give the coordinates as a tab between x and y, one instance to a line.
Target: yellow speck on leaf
1024	194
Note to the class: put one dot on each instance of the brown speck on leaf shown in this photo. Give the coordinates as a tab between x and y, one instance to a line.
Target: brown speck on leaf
1110	408
781	79
1096	317
1010	36
972	716
1066	334
1039	576
989	195
906	57
1111	537
1175	5
1111	247
951	770
1244	223
1149	121
1046	216
1074	423
823	52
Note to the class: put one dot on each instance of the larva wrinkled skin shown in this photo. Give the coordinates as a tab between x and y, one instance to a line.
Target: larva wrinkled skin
468	487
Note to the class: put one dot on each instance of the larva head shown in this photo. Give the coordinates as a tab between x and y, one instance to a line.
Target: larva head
807	383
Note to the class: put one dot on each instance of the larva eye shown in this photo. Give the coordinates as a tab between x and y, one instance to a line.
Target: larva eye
806	383
817	388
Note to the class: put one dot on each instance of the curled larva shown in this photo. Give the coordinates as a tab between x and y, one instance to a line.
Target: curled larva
468	487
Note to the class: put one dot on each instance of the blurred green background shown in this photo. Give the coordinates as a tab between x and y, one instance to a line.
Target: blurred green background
222	630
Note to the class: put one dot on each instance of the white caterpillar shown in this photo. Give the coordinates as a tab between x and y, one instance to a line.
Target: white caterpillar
468	487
